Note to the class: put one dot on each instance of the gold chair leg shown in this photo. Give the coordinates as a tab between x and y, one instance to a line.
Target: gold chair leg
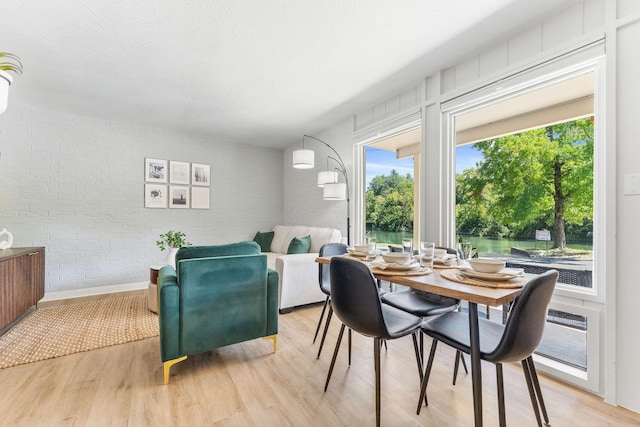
167	367
275	341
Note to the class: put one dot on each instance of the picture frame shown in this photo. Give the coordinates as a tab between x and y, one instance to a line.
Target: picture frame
200	174
179	172
155	170
178	197
155	196
200	198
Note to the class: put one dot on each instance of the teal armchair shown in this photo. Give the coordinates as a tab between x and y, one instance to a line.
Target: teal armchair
216	296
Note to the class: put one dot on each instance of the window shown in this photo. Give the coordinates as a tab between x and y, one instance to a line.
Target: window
527	197
390	168
544	101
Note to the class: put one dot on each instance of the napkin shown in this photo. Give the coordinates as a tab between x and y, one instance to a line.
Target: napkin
379	264
383	265
449	259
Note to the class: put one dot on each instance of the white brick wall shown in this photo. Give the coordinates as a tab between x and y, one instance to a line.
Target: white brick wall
76	186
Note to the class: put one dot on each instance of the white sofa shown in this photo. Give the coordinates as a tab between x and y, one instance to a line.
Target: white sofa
298	273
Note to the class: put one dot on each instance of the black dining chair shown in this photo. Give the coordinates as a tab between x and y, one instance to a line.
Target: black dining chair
356	302
513	342
426	304
329	249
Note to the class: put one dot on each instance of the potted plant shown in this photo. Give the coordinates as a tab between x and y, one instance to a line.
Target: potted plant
172	241
8	62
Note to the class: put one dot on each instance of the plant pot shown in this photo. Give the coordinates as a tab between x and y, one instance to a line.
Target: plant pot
5	82
171	257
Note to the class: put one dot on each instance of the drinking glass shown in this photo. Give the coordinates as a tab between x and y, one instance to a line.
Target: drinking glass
371	248
407	245
466	248
426	256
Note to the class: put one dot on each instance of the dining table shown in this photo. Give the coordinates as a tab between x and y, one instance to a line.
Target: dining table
433	281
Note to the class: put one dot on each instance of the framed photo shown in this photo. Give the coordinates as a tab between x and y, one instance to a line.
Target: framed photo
155	170
199	198
179	172
200	174
178	197
155	196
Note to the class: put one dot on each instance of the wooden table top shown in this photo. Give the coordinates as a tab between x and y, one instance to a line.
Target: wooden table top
437	284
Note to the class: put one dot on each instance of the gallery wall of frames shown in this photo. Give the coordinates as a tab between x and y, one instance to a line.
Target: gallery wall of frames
177	185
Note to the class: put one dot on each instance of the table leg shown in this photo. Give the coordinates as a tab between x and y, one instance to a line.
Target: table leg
476	374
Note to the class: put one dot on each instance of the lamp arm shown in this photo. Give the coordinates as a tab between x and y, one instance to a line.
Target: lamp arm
342	169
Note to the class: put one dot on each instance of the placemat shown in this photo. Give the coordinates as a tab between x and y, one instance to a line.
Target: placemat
381	272
442	266
454	275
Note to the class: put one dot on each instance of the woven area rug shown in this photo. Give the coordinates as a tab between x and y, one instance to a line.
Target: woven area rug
58	331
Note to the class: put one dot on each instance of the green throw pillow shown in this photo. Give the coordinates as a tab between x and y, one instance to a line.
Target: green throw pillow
264	240
299	245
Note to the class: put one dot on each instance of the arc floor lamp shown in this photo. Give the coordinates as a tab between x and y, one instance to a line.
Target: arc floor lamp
332	189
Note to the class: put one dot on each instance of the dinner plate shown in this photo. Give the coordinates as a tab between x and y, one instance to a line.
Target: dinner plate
500	276
445	261
356	253
402	267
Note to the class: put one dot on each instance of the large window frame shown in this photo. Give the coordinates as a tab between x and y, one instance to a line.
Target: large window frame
401	124
589	302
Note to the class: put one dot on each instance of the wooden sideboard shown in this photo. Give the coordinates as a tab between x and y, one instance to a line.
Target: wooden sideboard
21	281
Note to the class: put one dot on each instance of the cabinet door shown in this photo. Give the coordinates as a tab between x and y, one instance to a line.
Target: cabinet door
14	299
36	276
21	285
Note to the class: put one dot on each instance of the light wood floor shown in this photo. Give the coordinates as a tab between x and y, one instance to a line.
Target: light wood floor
248	385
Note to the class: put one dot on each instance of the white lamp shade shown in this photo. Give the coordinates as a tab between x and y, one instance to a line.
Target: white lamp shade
335	191
327	177
303	159
5	81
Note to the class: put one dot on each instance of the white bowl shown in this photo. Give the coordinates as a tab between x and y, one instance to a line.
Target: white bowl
396	257
439	253
361	248
486	265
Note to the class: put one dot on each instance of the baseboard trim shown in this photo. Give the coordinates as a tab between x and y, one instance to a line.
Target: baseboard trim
52	299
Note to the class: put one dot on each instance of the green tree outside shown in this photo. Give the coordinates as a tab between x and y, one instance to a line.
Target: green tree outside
533	179
389	203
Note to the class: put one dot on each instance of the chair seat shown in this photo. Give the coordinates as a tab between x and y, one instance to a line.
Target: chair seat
421	304
399	323
452	328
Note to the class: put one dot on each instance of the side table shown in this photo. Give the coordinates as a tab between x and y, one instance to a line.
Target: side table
152	295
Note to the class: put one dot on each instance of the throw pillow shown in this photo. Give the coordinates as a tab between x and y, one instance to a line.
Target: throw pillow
299	245
264	240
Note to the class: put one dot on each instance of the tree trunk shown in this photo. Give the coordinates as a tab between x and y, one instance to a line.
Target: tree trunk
559	238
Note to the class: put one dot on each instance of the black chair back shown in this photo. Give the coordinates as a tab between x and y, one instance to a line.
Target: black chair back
525	325
355	299
329	249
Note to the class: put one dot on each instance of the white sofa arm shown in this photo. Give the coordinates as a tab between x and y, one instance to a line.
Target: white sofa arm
298	277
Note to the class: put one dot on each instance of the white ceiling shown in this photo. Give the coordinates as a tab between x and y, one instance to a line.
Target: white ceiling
262	72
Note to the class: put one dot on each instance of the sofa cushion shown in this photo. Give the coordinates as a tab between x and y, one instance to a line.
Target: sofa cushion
299	245
264	240
283	234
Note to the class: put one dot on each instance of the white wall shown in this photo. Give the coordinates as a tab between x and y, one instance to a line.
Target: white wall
619	20
75	185
626	34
